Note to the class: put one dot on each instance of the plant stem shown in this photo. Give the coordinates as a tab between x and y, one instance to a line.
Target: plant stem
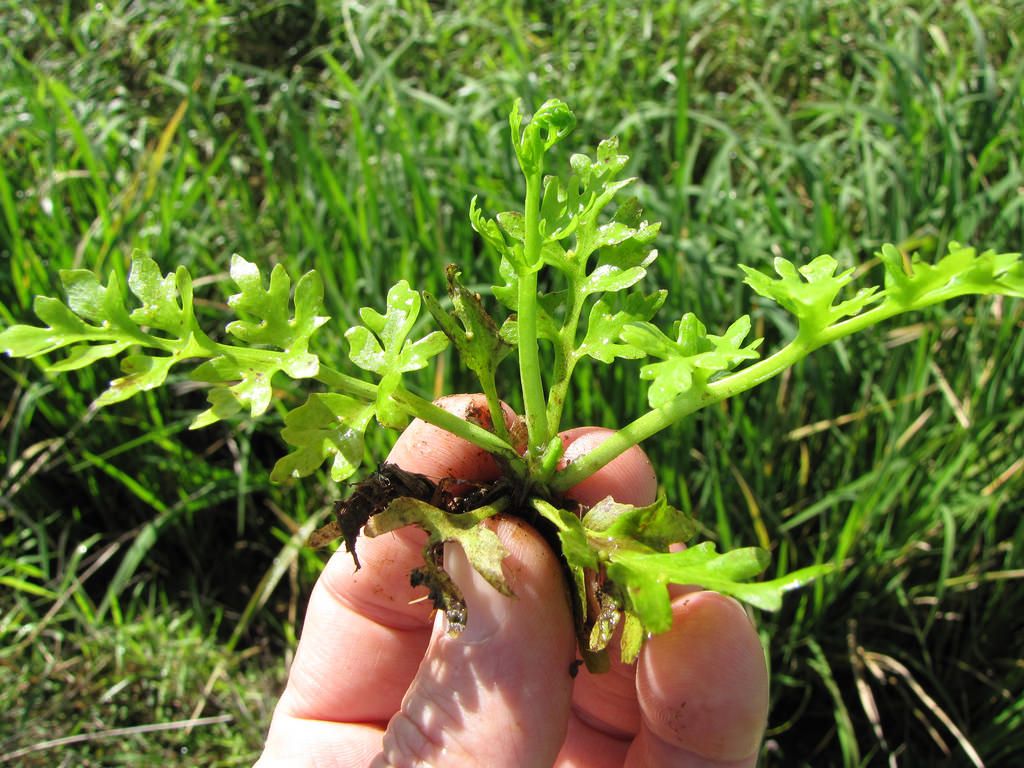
494	406
467	430
658	419
345	384
654	421
565	360
728	386
424	409
529	355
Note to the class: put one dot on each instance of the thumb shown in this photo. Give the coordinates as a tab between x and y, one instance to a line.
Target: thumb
498	694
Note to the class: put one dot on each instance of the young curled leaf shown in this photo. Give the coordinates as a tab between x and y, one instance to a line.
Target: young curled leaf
551	123
488	229
472	329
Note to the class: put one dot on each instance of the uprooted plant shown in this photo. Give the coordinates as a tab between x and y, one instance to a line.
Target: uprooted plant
568	276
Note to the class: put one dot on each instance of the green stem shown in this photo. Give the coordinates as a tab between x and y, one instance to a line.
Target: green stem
529	353
658	419
467	430
564	365
494	406
424	409
565	361
345	384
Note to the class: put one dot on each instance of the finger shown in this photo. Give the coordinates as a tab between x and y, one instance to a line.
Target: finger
362	636
677	672
431	451
702	688
305	743
365	631
497	694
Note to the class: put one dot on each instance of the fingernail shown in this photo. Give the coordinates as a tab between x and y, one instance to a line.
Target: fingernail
487	610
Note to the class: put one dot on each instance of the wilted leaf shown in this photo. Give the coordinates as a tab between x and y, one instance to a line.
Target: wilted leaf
482	546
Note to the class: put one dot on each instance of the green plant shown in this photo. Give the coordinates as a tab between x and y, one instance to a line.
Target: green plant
568	276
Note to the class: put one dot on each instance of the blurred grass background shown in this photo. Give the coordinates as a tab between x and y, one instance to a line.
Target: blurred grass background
149	575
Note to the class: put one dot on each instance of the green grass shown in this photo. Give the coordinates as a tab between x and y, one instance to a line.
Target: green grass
146	569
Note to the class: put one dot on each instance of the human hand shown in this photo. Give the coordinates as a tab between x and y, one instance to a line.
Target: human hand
377	681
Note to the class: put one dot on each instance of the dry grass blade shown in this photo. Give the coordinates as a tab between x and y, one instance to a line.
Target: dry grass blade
972	580
1004	477
849	418
113	733
864	693
13	483
918	424
756	518
883	662
960	409
75	585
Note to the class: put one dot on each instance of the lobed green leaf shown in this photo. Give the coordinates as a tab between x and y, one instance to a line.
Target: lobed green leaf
911	282
656	525
327	427
382	346
143	373
603	338
645	578
691	359
166	301
99	322
810	292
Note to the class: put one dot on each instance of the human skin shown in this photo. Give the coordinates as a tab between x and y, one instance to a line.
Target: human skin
378	681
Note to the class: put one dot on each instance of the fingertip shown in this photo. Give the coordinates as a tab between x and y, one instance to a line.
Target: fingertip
362	636
629	478
431	451
703	685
